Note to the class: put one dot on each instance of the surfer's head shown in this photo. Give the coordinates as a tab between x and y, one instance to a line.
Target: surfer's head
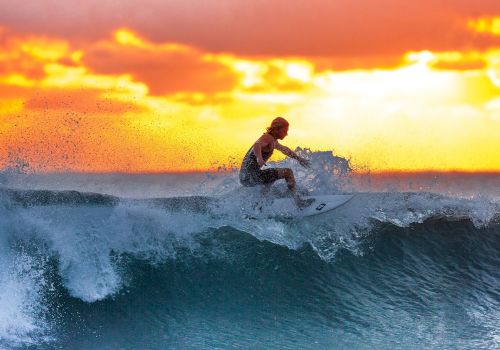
278	128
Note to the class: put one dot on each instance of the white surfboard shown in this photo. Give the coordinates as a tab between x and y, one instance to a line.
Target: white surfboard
321	204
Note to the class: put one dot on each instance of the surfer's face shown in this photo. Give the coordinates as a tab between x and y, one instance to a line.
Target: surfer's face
281	133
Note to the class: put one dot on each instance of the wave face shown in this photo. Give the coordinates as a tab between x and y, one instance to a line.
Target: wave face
388	269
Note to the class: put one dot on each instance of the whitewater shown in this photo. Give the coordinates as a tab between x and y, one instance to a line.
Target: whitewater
192	261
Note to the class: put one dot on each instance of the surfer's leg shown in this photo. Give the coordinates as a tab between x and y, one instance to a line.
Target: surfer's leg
268	176
287	174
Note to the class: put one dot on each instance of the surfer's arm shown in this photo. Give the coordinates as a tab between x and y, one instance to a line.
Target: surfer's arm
289	153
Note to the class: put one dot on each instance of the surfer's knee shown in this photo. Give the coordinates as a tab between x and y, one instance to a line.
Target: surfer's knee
286	173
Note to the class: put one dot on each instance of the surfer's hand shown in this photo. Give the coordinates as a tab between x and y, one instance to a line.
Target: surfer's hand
304	162
261	162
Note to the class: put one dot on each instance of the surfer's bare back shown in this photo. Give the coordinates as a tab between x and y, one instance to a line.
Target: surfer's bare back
251	173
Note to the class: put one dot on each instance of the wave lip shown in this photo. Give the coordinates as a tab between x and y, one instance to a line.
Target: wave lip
48	197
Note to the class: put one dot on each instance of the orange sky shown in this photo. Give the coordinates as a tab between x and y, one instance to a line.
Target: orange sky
178	86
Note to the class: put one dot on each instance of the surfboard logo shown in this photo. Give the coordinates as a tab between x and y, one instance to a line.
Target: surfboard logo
321	206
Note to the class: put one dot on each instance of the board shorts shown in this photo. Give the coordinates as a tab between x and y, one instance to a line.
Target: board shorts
254	177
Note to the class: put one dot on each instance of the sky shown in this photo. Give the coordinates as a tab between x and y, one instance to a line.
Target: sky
162	86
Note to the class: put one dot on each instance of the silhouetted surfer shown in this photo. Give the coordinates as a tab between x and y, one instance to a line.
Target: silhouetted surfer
251	173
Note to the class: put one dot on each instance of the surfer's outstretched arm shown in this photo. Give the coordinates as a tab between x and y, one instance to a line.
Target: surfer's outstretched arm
288	152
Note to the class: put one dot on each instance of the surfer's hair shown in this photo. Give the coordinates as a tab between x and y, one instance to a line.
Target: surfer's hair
277	124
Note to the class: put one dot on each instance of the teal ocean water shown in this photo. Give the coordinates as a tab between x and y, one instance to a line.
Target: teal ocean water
176	262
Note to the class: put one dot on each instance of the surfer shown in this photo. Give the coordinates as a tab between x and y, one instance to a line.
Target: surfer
251	173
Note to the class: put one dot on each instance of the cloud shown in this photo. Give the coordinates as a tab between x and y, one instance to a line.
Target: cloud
271	75
187	74
18	55
343	28
165	68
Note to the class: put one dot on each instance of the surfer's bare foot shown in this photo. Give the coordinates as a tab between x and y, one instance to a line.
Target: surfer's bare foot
303	203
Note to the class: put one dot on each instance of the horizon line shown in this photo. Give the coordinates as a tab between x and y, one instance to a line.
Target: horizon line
208	171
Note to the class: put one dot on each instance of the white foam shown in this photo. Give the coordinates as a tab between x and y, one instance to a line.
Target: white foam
22	311
88	241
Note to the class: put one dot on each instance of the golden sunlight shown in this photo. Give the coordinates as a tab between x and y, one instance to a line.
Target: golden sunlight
437	110
488	25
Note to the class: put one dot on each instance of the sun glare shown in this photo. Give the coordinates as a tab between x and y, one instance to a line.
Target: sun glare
488	25
126	37
302	71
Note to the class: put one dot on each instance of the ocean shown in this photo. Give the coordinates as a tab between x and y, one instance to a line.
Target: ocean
191	261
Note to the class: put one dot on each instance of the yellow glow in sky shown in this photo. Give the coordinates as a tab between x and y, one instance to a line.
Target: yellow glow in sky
70	107
490	25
